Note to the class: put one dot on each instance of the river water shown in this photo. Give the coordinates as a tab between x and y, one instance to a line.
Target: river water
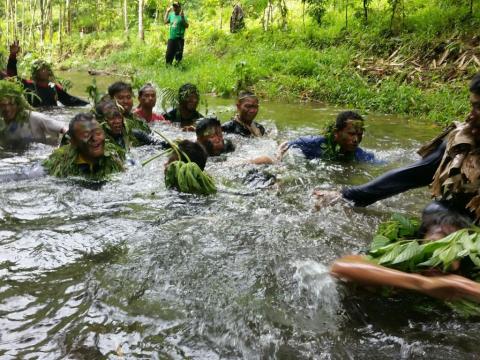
133	271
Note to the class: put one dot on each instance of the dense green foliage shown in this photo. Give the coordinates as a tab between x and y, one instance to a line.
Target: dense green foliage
62	163
394	246
397	56
187	177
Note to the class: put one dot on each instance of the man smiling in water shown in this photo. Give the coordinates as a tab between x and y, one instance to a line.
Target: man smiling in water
87	155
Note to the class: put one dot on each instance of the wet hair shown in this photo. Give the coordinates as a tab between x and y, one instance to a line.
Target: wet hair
243	95
39	64
475	84
81	117
186	90
195	152
344	116
439	214
117	87
145	88
206	123
106	107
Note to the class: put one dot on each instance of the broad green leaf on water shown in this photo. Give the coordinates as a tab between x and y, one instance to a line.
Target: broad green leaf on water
411	250
389	256
379	241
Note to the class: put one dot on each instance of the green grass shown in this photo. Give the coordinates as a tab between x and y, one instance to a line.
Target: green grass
301	64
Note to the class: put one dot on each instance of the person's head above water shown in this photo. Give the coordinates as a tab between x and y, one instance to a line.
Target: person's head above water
42	71
247	106
108	111
210	135
195	152
188	97
438	221
147	97
122	93
347	131
87	136
12	102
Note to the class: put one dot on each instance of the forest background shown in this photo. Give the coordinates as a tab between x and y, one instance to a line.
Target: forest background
411	57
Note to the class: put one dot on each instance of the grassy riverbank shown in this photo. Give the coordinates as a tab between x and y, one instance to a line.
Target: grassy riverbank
420	70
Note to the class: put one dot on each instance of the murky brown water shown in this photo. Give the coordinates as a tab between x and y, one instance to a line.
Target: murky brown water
132	270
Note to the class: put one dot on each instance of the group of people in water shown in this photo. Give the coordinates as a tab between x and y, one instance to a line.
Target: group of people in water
95	143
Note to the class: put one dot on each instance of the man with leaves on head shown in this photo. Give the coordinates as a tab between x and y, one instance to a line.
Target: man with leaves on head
185	114
42	90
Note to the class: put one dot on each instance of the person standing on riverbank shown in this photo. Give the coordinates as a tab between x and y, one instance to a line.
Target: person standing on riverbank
176	41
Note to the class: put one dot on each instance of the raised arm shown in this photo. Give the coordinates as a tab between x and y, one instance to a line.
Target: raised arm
396	181
12	59
165	17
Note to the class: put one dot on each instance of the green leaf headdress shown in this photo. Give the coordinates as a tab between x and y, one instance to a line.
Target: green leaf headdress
40	64
13	89
187	90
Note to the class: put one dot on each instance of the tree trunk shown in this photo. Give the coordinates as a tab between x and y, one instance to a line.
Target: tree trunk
141	33
50	21
60	28
365	10
69	16
125	15
346	15
303	13
42	21
15	22
221	16
7	21
394	10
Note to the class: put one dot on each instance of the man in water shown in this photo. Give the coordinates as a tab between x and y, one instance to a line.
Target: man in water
186	113
438	221
118	130
210	136
451	161
43	89
122	94
243	122
147	98
176	40
340	142
18	124
87	155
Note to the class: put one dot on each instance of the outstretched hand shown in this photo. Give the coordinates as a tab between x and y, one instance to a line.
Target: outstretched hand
326	197
14	48
451	287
